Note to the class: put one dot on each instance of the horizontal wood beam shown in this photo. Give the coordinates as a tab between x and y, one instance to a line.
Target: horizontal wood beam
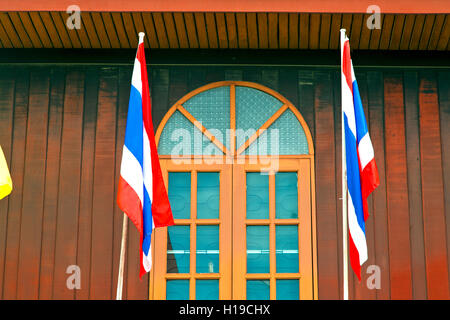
329	6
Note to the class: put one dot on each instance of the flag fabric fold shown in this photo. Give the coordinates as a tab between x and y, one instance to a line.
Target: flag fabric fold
362	173
141	193
5	177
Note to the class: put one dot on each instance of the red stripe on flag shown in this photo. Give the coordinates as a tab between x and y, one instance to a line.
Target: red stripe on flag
347	65
354	257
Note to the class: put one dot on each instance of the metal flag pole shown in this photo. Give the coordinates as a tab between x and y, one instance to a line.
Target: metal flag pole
344	184
122	257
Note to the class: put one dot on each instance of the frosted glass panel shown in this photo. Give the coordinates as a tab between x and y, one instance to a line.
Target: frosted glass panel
285	136
257	195
207	289
177	290
258	258
180	194
208	195
258	289
286	195
286	246
178	249
287	290
212	109
208	249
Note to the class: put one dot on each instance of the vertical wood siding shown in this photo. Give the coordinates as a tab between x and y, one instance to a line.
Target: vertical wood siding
62	131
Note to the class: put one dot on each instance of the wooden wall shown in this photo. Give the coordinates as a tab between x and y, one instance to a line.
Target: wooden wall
62	129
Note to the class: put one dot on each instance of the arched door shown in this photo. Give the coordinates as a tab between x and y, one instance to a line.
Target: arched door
238	162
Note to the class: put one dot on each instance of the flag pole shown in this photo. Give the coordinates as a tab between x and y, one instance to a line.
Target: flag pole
122	257
344	188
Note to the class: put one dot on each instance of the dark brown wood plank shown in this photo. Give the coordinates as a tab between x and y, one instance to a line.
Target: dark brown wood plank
201	30
25	20
171	30
131	33
335	31
33	187
69	185
222	33
355	33
306	98
262	30
417	31
49	25
436	31
160	29
304	31
327	237
444	116
10	31
120	30
181	30
397	189
191	30
90	30
386	30
414	186
283	30
325	34
379	212
103	197
273	30
150	29
445	34
397	31
432	189
252	29
72	34
41	30
293	30
100	28
55	118
61	29
7	87
314	31
87	182
375	36
426	31
211	30
241	24
4	38
407	31
364	38
110	30
230	20
19	28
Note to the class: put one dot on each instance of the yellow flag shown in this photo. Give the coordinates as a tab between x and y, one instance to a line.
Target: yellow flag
5	178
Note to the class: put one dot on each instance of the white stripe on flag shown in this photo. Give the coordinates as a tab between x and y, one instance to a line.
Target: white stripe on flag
365	151
136	77
131	172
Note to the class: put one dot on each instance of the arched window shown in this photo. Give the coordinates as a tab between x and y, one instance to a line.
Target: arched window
238	161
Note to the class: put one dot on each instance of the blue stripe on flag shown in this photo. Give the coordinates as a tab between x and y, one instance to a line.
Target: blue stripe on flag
134	139
353	178
147	218
361	126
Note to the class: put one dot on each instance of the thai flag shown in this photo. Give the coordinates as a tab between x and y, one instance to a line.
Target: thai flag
141	193
362	172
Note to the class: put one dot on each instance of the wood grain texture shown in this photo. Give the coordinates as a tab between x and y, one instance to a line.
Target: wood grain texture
432	189
397	189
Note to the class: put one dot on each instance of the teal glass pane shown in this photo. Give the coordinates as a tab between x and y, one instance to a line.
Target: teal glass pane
258	259
177	290
257	195
180	194
286	195
207	249
285	136
207	289
181	138
178	249
208	195
287	290
212	109
258	289
253	108
286	245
